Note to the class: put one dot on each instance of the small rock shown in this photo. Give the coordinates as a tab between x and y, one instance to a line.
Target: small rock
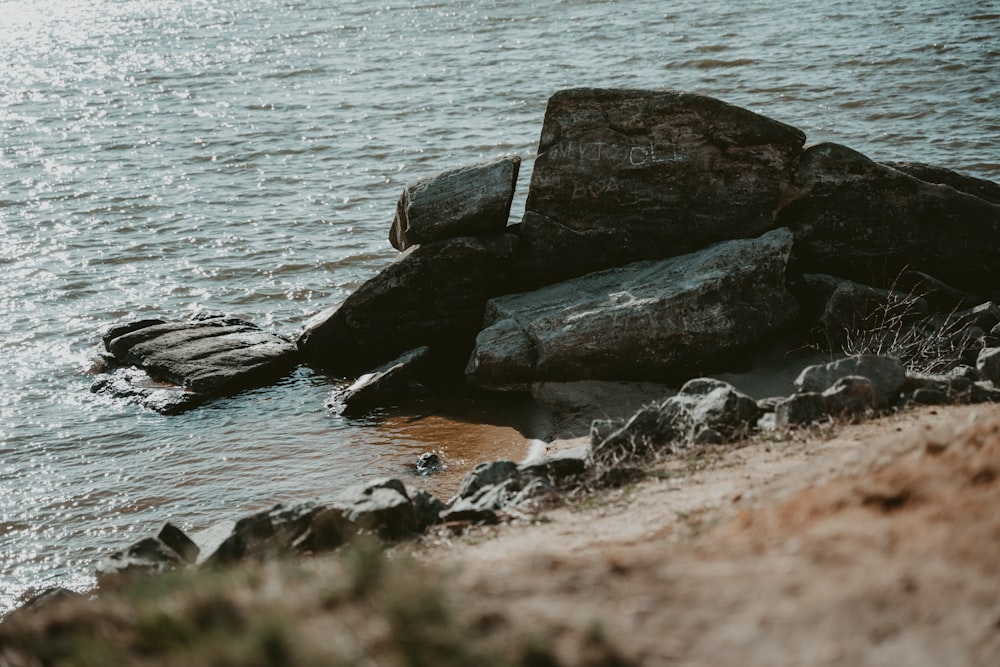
487	474
427	509
564	464
708	436
428	463
382	506
468	201
48	597
800	409
885	373
176	539
988	363
148	555
851	395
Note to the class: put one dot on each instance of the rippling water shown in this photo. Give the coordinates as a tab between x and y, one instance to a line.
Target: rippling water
245	156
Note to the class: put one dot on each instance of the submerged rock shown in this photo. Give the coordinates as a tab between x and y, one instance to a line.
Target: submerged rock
381	386
173	366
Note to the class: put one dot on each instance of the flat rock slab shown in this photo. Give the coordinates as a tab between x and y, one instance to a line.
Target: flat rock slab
382	385
649	321
173	366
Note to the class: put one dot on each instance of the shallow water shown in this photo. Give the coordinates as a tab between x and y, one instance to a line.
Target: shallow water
245	156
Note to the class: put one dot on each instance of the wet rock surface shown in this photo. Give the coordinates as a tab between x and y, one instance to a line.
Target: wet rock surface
173	366
383	385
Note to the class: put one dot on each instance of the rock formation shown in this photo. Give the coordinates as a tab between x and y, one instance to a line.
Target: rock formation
626	175
173	366
432	294
859	219
646	321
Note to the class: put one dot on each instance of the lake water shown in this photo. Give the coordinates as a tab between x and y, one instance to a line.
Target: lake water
245	156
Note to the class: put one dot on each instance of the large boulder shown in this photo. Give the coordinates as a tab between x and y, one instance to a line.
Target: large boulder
859	219
173	366
971	185
432	294
626	175
652	320
469	201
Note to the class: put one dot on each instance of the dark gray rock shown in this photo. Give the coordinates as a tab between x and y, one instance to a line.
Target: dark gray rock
47	598
147	556
708	436
179	542
988	363
984	392
856	218
937	388
717	406
511	496
427	509
800	409
173	366
428	463
383	385
978	187
469	201
655	320
381	506
433	294
565	464
983	316
850	396
967	372
627	175
854	309
484	505
490	473
885	373
264	534
940	296
704	411
329	528
769	403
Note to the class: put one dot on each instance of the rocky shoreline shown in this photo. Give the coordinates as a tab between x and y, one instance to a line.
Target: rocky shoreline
666	237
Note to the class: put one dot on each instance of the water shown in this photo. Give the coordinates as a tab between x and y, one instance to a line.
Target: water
245	156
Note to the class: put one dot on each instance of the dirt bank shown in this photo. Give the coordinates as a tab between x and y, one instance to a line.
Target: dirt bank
873	543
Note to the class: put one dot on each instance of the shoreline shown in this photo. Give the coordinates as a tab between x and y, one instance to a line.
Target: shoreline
832	544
